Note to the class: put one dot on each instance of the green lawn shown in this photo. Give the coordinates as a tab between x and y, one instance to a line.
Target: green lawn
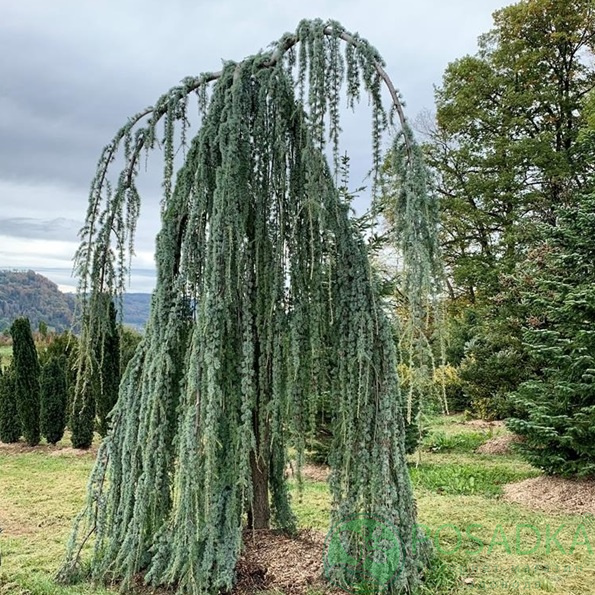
5	354
483	544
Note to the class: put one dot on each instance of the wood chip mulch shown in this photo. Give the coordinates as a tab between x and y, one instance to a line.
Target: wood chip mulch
553	494
17	448
310	471
272	561
482	424
499	445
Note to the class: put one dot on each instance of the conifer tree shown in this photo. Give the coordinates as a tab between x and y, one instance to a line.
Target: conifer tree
108	354
90	408
26	369
265	299
10	425
556	408
64	347
53	399
129	340
83	407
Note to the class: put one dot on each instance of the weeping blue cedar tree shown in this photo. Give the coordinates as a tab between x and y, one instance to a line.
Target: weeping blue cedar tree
411	212
265	300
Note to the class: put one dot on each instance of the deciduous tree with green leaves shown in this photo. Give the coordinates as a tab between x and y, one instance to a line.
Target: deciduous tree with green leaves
506	156
265	300
505	145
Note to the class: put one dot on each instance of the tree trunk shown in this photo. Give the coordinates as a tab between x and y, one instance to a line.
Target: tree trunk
259	513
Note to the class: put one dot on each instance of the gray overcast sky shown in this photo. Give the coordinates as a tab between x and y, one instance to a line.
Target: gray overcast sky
73	71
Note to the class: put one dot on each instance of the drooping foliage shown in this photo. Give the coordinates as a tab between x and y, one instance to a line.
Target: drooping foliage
265	300
63	344
412	215
95	397
53	399
26	370
10	424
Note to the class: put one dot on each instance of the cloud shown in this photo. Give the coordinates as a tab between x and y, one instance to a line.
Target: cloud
73	72
54	229
34	199
27	253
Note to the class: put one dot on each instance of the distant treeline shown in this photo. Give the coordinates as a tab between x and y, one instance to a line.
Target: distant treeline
26	293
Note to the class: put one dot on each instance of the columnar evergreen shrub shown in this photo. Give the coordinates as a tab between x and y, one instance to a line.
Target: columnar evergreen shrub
265	300
26	369
10	424
64	347
129	340
60	345
108	353
53	399
81	419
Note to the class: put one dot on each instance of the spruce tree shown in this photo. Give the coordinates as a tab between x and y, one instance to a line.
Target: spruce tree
108	354
53	399
557	407
10	424
26	368
265	299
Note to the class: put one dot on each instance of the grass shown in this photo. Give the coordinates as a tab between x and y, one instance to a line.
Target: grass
440	441
482	543
5	354
452	434
39	496
467	475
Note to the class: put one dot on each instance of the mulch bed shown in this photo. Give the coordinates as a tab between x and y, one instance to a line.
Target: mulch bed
500	445
310	471
272	561
482	424
19	448
553	494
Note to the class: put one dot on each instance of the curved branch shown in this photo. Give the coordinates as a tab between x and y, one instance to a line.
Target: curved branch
192	84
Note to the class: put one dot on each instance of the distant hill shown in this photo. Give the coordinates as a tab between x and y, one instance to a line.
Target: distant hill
26	293
38	298
136	309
